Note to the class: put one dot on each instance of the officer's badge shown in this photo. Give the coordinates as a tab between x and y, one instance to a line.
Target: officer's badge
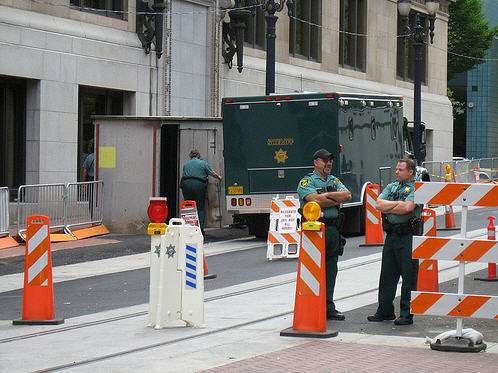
335	182
304	182
407	190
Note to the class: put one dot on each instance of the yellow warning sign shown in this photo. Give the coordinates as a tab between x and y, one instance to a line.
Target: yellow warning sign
107	157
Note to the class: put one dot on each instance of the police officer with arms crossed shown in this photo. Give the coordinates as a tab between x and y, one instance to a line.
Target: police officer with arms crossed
328	191
400	220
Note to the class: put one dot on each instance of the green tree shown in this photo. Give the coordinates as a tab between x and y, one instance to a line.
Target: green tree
469	35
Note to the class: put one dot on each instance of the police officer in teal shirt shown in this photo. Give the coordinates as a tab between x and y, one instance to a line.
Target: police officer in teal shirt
401	219
328	191
194	182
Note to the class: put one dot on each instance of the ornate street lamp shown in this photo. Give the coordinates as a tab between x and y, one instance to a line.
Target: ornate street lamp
271	7
233	32
418	35
150	24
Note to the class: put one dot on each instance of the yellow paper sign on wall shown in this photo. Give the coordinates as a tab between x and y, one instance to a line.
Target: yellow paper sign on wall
107	157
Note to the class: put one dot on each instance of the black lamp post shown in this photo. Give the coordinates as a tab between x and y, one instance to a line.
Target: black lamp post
233	32
149	22
418	35
271	7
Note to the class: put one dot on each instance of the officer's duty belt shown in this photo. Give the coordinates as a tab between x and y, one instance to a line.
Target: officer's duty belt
401	228
330	221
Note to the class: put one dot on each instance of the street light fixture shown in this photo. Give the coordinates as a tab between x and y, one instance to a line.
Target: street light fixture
271	7
418	35
233	32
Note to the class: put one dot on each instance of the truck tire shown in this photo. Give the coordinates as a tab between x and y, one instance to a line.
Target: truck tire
258	224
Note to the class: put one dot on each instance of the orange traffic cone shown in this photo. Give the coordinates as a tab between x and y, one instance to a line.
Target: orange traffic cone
188	212
373	218
38	295
449	216
310	308
428	269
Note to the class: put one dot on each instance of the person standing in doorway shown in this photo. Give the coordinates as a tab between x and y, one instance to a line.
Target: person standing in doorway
194	182
88	164
89	175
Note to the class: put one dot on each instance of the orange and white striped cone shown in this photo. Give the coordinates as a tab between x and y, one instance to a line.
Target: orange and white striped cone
310	307
373	218
38	294
188	212
449	216
428	269
491	266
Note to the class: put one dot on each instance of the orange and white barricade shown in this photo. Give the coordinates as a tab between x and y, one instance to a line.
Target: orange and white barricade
310	307
285	223
38	294
373	218
457	249
428	269
188	212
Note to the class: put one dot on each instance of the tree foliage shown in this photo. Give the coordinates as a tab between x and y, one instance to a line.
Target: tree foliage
468	35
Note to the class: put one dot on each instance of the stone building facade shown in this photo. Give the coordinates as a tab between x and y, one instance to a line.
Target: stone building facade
62	61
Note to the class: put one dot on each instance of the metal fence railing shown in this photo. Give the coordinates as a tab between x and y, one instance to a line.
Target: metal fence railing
4	211
67	206
463	169
84	203
40	199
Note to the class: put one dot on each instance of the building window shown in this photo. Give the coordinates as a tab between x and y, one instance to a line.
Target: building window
352	36
12	132
108	8
406	53
94	101
254	35
305	31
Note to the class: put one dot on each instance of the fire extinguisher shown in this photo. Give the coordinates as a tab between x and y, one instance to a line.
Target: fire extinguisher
491	236
491	228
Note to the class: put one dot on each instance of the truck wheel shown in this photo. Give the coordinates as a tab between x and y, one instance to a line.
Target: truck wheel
258	224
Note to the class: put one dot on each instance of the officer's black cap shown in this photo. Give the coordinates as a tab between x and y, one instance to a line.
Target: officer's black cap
323	154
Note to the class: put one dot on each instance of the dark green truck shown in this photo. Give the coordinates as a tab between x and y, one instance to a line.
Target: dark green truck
269	142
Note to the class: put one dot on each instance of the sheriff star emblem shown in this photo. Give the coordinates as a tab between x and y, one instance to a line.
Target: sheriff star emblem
407	190
281	156
158	250
170	250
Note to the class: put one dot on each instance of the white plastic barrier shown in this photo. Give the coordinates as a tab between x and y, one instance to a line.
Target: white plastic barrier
177	276
284	238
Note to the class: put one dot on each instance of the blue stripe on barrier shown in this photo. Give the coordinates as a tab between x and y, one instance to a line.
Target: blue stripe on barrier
191	275
191	284
188	265
192	249
192	258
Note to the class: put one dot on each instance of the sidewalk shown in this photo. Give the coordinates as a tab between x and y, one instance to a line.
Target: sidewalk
242	334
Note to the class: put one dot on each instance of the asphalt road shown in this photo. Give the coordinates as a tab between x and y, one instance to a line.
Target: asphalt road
99	293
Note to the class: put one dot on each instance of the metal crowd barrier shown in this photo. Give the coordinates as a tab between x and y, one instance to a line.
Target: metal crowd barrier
4	211
463	169
67	206
84	203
